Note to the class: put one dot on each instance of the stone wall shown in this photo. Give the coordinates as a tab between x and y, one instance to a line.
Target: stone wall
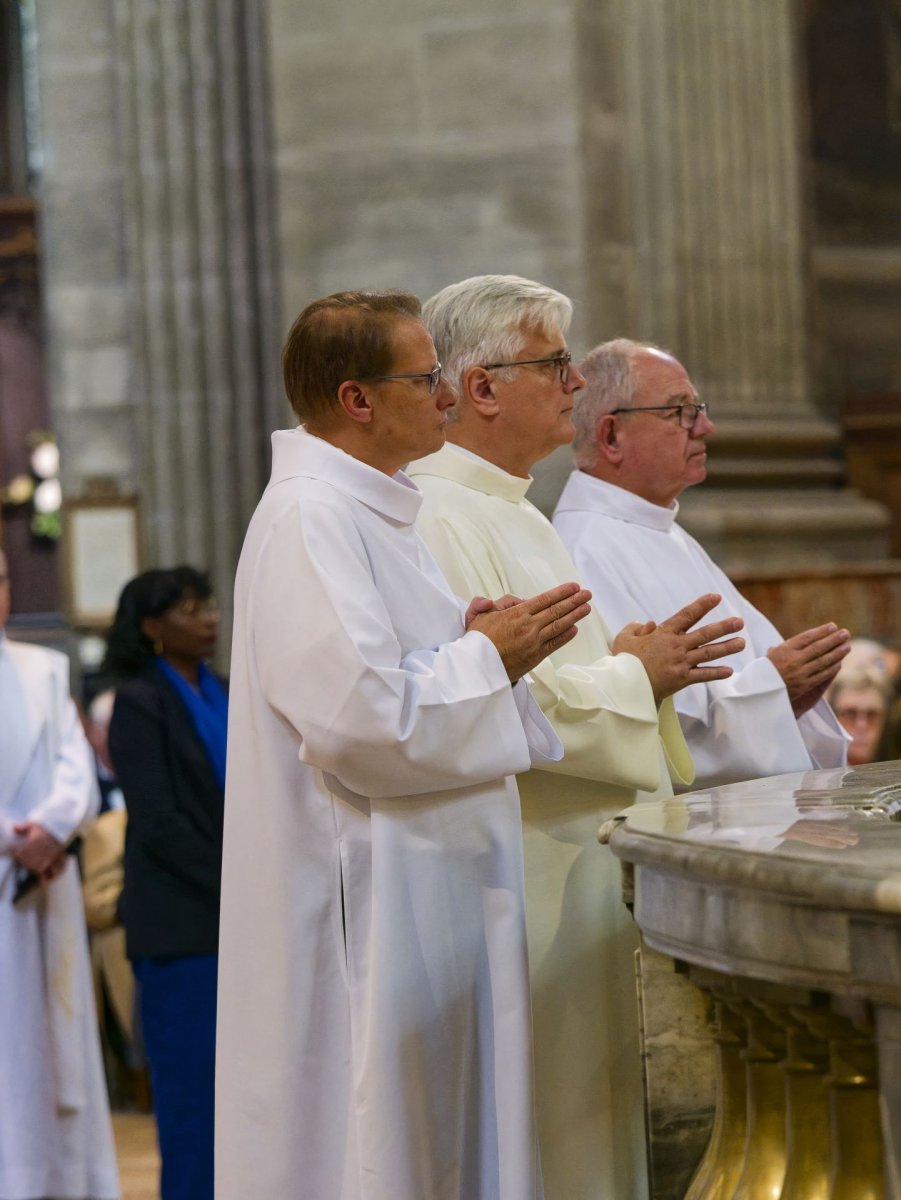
86	291
418	143
159	256
210	166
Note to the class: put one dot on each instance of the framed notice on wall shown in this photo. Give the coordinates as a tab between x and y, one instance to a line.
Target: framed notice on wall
101	539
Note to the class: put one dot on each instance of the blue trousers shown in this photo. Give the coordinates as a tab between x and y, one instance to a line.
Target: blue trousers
178	1015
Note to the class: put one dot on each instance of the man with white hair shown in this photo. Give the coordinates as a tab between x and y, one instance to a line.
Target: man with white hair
641	434
502	342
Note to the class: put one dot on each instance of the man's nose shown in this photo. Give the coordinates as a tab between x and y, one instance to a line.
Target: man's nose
575	379
446	394
703	426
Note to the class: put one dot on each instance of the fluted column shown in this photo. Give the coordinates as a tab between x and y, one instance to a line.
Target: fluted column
713	116
199	204
714	177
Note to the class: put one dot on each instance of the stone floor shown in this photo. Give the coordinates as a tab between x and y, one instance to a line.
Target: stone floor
139	1163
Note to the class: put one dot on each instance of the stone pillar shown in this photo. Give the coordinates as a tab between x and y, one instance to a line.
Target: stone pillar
713	117
714	160
200	245
419	143
161	283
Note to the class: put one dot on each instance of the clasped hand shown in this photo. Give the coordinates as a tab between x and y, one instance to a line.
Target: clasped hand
39	851
808	663
674	654
526	631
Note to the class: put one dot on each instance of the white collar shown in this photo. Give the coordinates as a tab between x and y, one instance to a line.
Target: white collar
296	453
585	493
472	471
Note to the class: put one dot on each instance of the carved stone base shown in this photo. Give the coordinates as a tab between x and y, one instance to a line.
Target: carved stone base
780	529
773	499
679	1065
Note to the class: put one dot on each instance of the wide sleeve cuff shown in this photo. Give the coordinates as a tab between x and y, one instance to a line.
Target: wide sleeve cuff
544	745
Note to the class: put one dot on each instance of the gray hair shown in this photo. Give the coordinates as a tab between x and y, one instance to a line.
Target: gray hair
609	371
859	679
482	320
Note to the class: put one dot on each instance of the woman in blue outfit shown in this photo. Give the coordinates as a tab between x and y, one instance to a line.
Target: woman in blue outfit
167	742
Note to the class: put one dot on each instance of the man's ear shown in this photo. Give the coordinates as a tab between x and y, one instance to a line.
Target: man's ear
478	390
355	401
608	439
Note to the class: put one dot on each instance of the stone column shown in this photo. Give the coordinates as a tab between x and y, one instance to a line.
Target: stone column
714	159
160	253
200	247
713	118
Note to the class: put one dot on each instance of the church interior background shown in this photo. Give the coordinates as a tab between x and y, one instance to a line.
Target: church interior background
179	177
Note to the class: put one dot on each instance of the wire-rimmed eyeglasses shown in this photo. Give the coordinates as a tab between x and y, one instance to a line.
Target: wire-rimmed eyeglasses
433	376
688	411
560	361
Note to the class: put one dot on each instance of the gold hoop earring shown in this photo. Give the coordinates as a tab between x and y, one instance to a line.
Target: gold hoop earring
158	647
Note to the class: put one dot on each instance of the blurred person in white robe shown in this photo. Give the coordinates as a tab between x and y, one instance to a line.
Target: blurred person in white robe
55	1133
374	1033
641	439
502	340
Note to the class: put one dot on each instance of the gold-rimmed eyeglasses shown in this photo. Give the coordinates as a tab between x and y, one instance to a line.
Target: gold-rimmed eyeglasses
560	361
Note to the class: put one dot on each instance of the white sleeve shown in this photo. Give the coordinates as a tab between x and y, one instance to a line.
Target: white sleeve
825	738
544	745
380	722
74	797
738	728
603	710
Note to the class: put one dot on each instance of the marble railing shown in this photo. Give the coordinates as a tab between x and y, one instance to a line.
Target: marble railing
780	901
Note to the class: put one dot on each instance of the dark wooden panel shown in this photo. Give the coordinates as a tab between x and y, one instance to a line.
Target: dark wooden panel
872	426
23	402
864	598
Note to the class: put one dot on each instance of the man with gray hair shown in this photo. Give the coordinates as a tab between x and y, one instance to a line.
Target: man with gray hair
641	434
501	339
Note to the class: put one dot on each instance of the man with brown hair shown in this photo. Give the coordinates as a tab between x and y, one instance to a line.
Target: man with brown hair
374	1036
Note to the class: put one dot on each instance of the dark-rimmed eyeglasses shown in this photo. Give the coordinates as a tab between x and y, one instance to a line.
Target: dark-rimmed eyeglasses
433	377
560	361
688	412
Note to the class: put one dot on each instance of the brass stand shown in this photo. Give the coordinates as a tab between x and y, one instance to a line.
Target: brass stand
857	1172
797	1099
763	1169
719	1170
808	1122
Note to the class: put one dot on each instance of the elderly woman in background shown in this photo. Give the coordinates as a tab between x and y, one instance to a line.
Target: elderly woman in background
167	743
860	699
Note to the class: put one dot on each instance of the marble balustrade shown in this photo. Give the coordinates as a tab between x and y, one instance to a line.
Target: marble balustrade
779	901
